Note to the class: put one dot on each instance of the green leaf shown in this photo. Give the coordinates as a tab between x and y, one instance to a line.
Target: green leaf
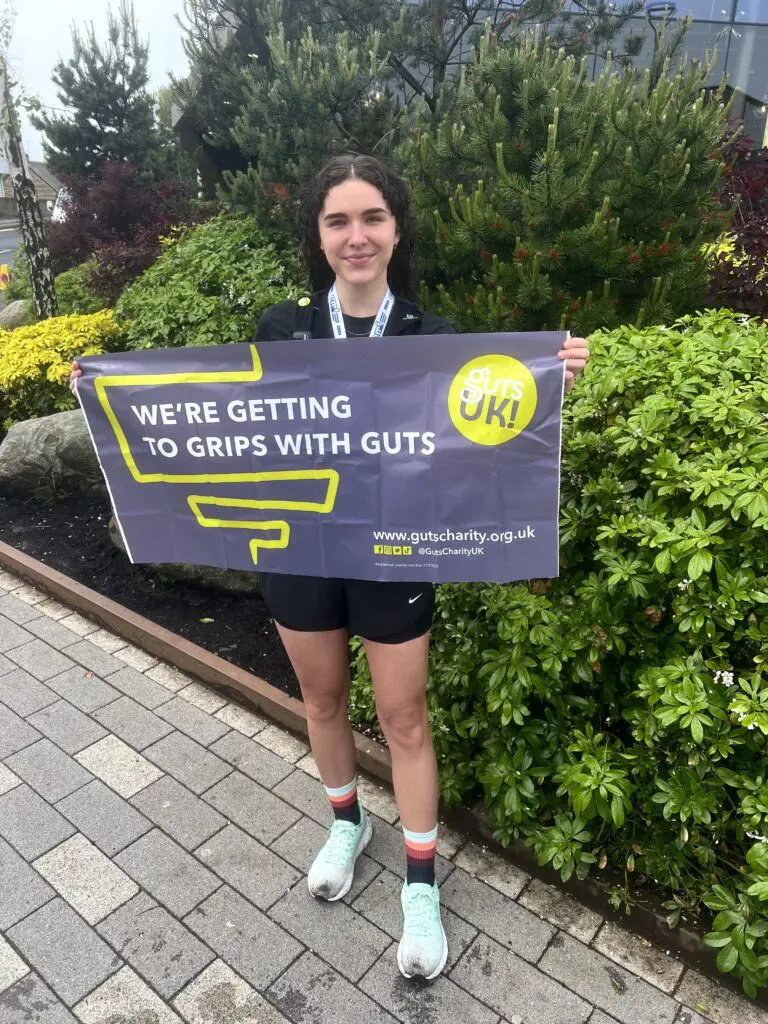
727	958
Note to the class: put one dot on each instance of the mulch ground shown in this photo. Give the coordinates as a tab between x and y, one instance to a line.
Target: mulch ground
71	535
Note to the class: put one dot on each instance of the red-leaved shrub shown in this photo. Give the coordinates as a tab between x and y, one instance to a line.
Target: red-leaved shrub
117	219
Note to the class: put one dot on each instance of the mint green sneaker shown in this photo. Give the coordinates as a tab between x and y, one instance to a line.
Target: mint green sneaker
423	948
331	874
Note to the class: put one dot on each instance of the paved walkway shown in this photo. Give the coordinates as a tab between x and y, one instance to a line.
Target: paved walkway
154	839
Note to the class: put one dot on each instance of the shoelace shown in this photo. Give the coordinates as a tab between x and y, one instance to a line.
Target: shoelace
420	915
339	843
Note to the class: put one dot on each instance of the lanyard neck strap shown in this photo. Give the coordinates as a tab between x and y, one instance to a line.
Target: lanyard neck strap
337	317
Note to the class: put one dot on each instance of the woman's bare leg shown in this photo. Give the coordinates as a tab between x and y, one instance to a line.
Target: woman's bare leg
399	674
321	663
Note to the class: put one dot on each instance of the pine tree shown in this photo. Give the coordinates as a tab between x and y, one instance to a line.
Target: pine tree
548	201
313	100
105	88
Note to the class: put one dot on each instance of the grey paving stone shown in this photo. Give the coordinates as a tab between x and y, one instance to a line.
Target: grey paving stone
104	817
40	659
125	999
185	817
380	904
15	734
300	844
341	937
156	945
311	992
12	967
68	727
132	722
561	910
219	996
717	1003
22	889
415	1003
611	988
388	848
30	824
598	1017
685	1015
167	872
497	916
90	882
514	988
251	807
243	937
93	658
7	779
307	795
82	688
79	624
62	948
144	690
120	766
52	632
6	665
282	743
12	635
17	611
23	694
198	725
203	696
252	759
187	761
31	1001
260	875
51	772
240	718
639	956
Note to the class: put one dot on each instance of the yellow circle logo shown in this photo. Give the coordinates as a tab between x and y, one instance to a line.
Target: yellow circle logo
492	399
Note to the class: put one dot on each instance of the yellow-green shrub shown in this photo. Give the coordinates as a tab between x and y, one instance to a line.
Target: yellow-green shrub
35	361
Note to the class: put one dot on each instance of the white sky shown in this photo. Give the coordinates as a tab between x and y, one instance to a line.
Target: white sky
43	34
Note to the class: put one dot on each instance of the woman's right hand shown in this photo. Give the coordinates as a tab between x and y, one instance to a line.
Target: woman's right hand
74	374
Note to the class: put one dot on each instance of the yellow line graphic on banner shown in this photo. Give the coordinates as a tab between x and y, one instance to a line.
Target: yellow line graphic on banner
195	501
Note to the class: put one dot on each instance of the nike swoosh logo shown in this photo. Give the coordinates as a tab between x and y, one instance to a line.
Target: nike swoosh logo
412	599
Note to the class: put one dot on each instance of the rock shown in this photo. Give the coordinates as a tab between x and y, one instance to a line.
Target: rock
50	457
230	581
20	313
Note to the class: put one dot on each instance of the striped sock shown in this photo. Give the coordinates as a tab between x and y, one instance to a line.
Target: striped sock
420	848
344	802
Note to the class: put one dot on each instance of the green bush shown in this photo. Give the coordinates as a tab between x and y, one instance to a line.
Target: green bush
20	286
209	286
619	714
72	292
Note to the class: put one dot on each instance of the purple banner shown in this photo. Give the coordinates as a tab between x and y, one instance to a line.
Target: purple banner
428	458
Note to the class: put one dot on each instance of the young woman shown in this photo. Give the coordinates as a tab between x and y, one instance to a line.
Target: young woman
358	245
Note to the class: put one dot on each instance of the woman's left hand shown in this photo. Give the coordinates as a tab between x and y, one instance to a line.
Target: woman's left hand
576	354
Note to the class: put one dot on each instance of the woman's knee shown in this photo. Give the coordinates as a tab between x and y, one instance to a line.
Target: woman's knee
326	706
405	725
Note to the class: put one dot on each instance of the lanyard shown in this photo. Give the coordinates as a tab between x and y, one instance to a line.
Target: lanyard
337	317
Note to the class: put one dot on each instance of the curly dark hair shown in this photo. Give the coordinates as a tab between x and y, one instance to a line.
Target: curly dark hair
395	192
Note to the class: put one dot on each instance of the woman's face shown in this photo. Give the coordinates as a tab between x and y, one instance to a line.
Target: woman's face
357	232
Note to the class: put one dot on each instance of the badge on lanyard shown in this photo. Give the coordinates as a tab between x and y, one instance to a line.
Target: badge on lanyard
337	317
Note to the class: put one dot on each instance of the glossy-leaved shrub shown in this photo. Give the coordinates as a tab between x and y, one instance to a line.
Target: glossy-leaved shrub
618	715
209	286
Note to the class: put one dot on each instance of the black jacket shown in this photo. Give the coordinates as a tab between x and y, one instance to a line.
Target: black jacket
279	321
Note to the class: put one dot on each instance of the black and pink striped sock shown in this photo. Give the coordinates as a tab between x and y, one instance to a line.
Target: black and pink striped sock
344	802
420	850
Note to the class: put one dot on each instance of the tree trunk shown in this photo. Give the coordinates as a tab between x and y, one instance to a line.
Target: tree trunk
30	215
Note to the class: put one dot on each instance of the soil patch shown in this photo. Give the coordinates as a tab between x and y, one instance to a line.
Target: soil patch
71	535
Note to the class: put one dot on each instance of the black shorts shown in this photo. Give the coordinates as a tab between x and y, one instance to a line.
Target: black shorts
389	613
